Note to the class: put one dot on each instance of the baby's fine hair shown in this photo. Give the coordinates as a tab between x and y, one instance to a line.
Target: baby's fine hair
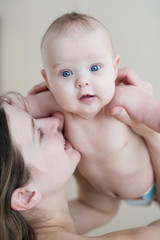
76	20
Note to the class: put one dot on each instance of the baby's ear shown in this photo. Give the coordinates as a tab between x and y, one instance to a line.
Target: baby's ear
116	65
23	199
44	75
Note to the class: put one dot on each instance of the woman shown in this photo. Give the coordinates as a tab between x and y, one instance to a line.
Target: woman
36	164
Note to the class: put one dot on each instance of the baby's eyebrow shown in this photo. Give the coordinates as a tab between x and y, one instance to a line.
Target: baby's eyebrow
64	65
57	65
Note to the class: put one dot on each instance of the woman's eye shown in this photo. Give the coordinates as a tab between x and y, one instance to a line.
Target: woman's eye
41	133
66	73
95	68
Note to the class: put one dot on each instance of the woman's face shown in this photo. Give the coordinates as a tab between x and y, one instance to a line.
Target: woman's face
51	159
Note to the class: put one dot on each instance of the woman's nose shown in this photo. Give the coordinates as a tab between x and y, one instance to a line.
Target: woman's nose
60	116
50	124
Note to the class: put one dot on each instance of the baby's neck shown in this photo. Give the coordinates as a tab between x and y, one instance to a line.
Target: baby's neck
94	115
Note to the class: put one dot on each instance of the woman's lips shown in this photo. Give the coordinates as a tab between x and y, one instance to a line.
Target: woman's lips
67	145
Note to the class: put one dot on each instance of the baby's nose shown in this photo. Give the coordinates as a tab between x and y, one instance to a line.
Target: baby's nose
82	81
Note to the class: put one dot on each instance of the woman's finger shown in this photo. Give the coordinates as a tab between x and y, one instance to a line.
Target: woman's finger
128	77
41	87
121	114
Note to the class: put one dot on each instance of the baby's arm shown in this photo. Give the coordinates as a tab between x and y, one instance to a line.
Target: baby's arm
41	104
91	209
38	105
40	101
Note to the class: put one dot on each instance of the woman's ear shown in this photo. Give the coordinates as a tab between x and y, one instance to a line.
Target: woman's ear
116	65
44	75
24	199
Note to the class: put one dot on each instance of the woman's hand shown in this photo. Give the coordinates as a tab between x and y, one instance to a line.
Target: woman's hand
138	127
41	87
140	105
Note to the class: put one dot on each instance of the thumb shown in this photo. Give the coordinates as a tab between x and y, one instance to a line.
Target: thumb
121	114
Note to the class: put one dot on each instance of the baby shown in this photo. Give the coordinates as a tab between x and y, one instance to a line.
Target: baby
80	71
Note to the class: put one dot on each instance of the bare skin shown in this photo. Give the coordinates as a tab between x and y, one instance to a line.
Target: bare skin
42	201
81	68
89	134
142	117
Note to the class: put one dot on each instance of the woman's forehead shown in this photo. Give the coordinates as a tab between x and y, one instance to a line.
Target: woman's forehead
17	118
13	111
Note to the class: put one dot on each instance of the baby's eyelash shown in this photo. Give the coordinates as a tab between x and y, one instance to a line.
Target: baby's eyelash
41	133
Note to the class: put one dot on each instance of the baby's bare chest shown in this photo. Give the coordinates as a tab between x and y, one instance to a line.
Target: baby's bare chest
109	148
97	138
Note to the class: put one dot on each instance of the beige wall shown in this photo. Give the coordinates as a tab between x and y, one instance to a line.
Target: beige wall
134	26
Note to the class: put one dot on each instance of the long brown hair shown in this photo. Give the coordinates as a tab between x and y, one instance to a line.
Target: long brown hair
13	174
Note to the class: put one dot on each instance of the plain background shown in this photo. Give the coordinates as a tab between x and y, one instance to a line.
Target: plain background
135	31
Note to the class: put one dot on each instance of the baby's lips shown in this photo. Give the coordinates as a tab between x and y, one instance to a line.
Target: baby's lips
86	96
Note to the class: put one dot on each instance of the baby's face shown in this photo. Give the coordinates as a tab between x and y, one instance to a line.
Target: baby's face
81	70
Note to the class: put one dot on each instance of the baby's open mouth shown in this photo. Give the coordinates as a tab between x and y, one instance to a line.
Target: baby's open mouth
86	96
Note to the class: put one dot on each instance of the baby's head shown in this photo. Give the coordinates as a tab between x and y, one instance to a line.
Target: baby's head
73	23
78	48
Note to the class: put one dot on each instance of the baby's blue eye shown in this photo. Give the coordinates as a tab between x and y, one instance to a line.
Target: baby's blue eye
95	68
66	73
